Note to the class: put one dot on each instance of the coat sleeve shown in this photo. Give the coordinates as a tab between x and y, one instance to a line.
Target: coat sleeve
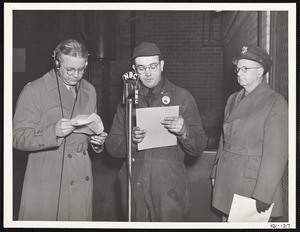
196	140
275	152
229	103
28	133
216	160
116	139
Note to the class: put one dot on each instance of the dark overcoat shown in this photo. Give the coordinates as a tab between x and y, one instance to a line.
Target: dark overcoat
253	149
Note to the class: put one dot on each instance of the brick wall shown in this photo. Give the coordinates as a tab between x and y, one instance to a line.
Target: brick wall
192	60
243	30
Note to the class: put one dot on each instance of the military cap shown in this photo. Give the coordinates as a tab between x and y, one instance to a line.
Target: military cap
145	49
257	54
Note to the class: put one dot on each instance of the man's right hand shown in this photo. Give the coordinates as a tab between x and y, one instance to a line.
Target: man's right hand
64	127
138	134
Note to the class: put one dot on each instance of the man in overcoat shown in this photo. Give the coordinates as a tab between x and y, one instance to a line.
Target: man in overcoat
58	183
253	148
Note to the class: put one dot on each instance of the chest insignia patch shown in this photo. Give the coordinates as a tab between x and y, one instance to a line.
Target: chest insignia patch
166	100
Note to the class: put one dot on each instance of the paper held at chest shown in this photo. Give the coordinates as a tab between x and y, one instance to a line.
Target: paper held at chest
243	209
88	124
156	135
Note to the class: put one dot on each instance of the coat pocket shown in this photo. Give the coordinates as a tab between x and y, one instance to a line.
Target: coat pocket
252	167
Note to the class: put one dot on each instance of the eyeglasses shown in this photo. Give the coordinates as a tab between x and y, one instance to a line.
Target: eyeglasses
71	71
244	69
142	69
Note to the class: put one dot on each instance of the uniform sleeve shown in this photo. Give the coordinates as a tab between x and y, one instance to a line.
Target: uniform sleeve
196	140
116	139
275	152
28	133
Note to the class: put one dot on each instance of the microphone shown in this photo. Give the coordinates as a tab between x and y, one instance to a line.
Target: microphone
130	90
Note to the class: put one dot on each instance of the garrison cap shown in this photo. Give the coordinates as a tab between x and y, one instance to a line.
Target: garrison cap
145	49
257	54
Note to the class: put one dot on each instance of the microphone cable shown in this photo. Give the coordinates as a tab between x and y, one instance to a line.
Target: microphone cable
64	145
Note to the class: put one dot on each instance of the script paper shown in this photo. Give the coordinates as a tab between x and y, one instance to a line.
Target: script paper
88	124
243	209
156	135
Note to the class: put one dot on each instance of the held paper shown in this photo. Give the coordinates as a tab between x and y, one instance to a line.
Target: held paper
88	124
243	209
156	135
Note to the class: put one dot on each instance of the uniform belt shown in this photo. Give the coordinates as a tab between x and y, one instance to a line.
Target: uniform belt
242	150
82	146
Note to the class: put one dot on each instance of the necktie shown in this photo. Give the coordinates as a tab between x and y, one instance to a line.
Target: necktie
72	90
150	96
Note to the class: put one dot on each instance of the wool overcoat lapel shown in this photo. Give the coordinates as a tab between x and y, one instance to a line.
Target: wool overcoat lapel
67	100
243	106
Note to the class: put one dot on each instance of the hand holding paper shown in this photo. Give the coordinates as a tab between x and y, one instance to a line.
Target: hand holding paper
98	139
88	124
175	125
64	127
138	134
243	209
262	206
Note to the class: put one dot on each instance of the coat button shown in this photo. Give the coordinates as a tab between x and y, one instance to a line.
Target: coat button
70	156
223	159
87	178
84	153
132	160
72	182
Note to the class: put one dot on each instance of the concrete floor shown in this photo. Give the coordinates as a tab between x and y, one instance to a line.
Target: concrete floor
107	205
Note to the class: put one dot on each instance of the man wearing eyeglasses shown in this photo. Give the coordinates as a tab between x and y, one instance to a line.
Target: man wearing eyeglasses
252	153
158	176
58	184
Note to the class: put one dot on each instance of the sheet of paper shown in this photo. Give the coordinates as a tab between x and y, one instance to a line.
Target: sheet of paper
150	119
243	209
88	124
83	119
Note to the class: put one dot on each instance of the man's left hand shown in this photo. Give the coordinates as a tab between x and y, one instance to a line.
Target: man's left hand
262	206
175	125
98	139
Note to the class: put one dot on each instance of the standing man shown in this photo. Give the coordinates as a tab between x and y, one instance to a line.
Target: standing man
253	149
58	183
158	177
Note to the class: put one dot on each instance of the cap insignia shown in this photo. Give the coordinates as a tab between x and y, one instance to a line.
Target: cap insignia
244	49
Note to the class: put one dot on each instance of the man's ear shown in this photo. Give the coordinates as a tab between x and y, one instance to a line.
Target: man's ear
133	67
162	63
260	71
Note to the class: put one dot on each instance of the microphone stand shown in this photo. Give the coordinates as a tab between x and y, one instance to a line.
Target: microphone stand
130	96
129	159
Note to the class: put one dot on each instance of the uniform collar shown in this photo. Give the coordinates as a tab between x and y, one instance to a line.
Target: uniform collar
164	87
241	106
156	90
